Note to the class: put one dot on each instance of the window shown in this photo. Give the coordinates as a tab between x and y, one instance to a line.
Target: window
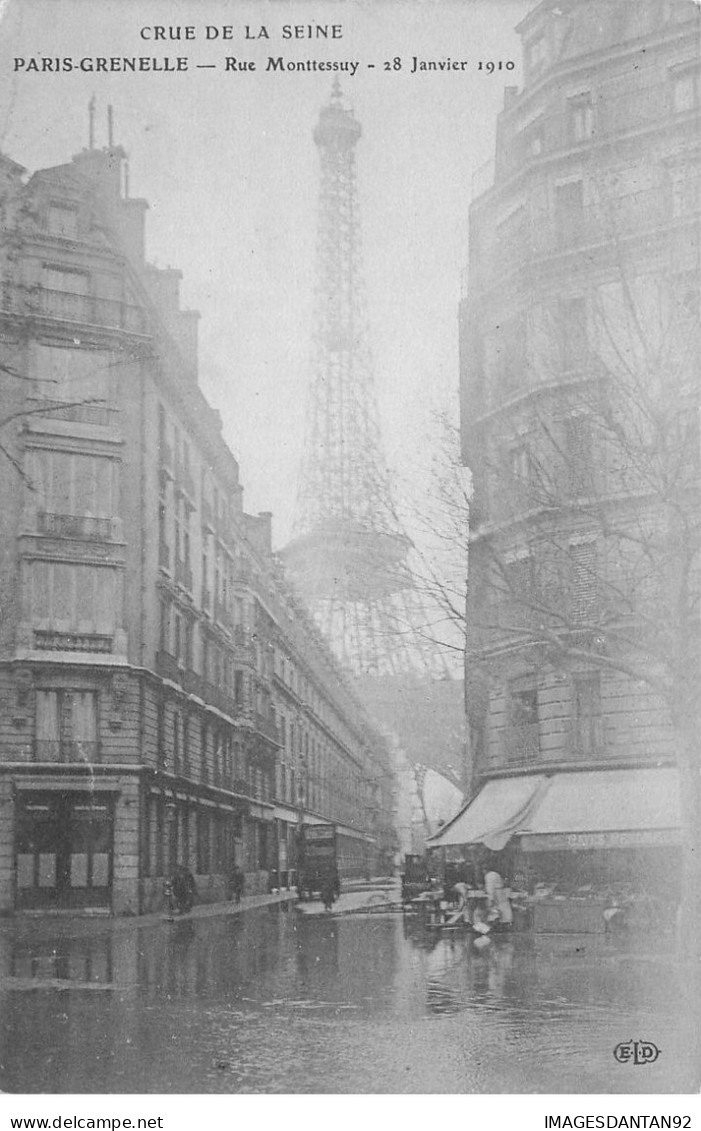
534	140
583	580
63	220
521	470
536	55
73	598
65	280
586	714
66	726
80	378
579	455
580	118
686	88
203	842
569	212
69	484
686	189
574	332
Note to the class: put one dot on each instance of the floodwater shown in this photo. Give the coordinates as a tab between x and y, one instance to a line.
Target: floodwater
271	1001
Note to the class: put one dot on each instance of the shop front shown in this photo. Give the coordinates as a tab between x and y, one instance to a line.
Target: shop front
578	842
64	850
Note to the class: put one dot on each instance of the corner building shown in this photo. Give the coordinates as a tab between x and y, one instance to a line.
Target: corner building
588	216
165	696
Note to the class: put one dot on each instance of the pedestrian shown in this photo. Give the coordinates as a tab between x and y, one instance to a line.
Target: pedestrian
238	883
183	889
498	901
328	892
463	911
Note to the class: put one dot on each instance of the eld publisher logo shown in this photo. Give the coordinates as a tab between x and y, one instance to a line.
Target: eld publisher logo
636	1052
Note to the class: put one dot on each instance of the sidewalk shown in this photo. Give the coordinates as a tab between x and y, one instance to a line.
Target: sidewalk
38	926
46	926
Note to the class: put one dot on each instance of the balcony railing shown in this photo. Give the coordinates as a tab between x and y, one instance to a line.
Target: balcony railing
63	750
88	413
611	114
65	306
74	526
48	641
556	232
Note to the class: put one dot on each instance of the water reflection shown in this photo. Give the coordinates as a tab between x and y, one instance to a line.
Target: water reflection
271	1002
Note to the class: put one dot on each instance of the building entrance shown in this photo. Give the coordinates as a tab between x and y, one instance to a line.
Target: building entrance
64	850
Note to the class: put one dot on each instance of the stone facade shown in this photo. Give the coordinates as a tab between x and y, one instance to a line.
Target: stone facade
582	295
166	698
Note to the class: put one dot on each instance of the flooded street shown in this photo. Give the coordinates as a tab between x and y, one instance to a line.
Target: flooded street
272	1001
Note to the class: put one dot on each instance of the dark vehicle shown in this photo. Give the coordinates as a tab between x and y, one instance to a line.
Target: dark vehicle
318	865
416	877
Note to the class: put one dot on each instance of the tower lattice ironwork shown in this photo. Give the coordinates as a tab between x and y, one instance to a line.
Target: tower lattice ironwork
349	553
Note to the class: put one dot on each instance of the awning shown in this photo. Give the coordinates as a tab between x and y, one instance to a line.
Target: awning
498	811
606	809
582	809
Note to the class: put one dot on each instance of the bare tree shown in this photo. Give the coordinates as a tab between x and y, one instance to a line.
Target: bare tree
585	522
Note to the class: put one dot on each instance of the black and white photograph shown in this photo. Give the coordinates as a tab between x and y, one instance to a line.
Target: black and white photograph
350	556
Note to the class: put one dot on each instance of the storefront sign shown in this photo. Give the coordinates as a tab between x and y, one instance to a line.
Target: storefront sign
636	838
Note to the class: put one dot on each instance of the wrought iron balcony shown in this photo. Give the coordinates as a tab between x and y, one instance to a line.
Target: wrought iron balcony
64	750
65	306
74	526
48	641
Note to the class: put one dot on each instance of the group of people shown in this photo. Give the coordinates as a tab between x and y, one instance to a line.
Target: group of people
496	907
180	890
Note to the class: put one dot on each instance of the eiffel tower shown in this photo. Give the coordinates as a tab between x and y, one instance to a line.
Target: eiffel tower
349	554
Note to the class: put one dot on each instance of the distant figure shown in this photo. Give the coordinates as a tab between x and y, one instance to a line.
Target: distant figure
238	883
498	902
461	889
183	889
328	892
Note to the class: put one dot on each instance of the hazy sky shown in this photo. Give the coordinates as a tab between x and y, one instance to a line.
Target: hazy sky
228	164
